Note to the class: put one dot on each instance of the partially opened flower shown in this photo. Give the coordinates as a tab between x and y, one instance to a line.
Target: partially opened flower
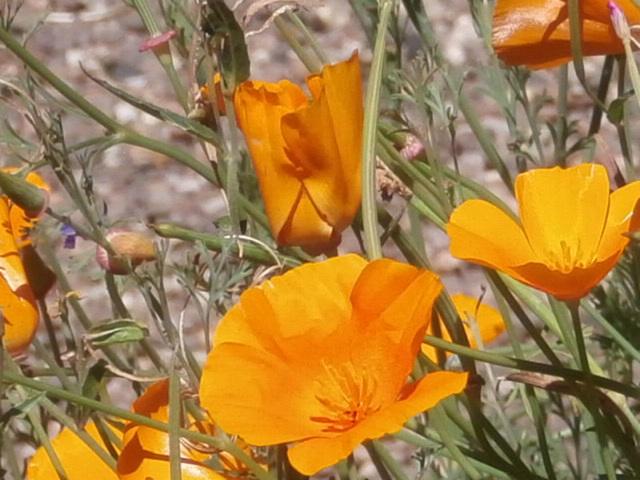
477	319
306	153
535	33
321	356
145	450
79	461
571	232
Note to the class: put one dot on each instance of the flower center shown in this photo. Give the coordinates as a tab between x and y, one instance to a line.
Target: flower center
346	396
568	257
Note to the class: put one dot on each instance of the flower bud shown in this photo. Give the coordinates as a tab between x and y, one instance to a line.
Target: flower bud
31	198
131	249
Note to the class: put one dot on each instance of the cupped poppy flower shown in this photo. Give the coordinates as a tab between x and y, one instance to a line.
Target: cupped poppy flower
489	324
145	450
535	33
306	153
571	232
76	457
321	356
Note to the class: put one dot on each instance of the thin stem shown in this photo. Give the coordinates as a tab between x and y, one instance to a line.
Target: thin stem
372	102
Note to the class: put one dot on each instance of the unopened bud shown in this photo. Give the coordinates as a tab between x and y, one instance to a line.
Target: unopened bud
32	199
131	249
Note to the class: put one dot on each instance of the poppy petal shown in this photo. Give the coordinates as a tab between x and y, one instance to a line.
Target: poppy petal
78	460
482	233
260	107
563	212
311	456
624	216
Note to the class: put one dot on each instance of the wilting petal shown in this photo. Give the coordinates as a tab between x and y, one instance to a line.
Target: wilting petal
259	108
78	460
325	140
564	207
311	456
482	233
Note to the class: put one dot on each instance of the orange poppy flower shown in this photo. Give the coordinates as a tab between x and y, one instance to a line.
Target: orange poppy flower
145	450
77	459
535	33
572	230
306	153
321	356
489	323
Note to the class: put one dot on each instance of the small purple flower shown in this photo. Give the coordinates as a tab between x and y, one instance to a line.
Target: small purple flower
69	236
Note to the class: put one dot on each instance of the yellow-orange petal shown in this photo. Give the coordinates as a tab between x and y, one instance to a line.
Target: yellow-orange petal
311	456
624	216
392	305
145	450
10	263
248	392
482	233
307	227
259	109
489	323
78	460
572	285
315	294
20	316
563	212
325	138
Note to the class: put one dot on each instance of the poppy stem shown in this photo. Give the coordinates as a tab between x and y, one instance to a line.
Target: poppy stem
369	211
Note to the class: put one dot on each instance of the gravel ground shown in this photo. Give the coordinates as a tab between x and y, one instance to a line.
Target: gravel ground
104	35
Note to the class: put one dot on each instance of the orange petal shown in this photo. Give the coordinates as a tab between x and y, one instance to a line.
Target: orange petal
392	304
325	141
624	216
572	285
20	316
145	450
488	321
482	233
10	263
536	32
311	456
259	109
564	211
248	392
306	226
315	294
77	459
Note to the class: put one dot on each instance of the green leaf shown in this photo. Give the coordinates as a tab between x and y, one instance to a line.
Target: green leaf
21	409
175	119
116	331
221	24
615	112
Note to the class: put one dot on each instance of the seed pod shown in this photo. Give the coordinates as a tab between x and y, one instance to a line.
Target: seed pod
31	198
131	249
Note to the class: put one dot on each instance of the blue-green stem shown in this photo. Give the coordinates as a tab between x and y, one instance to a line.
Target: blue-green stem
175	417
369	211
222	444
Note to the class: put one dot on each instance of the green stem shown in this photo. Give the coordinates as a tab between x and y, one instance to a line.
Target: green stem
566	373
372	102
226	445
